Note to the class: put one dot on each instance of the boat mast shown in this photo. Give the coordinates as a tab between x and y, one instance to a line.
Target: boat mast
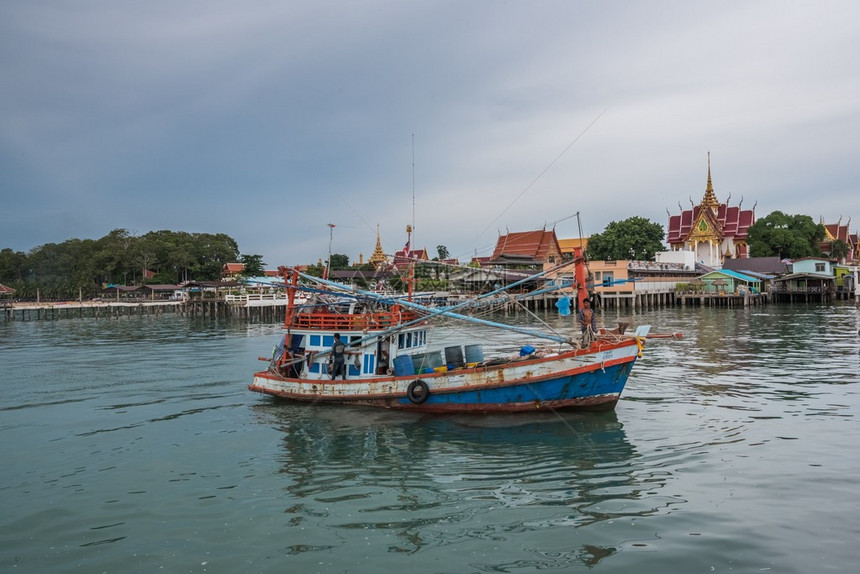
579	274
291	296
327	268
410	275
409	228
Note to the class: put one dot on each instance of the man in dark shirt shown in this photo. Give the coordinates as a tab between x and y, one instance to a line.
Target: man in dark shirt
338	351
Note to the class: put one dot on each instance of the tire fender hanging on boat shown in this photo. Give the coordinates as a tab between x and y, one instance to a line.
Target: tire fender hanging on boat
417	391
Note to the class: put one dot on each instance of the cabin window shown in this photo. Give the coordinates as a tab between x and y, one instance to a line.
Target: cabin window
315	340
819	267
352	369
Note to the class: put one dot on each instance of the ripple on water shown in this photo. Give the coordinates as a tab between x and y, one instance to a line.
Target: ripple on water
143	451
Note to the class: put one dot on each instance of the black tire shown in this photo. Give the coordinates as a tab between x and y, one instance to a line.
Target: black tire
417	392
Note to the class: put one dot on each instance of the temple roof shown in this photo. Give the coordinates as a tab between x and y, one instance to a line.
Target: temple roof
838	231
378	256
538	246
403	256
731	221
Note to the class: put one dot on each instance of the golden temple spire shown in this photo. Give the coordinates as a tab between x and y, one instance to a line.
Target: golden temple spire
378	258
710	199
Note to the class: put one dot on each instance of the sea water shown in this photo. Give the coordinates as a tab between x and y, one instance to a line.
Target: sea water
133	445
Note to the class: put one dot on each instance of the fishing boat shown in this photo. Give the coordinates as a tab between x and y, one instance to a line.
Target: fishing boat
389	363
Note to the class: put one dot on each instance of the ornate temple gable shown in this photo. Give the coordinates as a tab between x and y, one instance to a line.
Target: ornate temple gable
706	227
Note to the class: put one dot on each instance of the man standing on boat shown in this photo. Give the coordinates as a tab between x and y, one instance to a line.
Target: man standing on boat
587	323
338	350
586	317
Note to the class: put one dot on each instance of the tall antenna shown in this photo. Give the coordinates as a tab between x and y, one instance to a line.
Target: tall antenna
327	269
579	225
413	181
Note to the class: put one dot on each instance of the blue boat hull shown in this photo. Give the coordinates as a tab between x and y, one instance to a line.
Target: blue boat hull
595	390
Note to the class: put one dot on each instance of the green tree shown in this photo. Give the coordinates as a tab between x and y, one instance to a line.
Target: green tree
211	253
839	250
13	266
315	270
785	236
80	266
113	256
339	261
443	252
254	266
633	238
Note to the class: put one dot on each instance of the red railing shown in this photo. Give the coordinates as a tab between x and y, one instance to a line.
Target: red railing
347	322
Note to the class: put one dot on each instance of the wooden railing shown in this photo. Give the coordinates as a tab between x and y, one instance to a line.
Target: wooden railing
255	297
347	322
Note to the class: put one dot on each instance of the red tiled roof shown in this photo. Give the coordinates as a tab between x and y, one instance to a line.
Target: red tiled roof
401	257
733	222
838	231
538	245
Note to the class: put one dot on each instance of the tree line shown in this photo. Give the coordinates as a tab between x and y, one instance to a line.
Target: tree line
81	267
778	234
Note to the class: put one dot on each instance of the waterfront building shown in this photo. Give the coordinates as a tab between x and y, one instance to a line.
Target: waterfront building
232	271
811	278
568	246
712	230
768	269
538	248
486	279
845	280
631	283
725	281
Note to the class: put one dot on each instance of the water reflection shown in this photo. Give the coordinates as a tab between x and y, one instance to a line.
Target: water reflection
750	359
432	481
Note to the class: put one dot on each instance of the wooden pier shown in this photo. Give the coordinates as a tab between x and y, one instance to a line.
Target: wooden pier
95	309
273	309
268	311
724	299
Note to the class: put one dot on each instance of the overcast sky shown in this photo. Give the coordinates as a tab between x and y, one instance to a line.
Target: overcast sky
268	120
